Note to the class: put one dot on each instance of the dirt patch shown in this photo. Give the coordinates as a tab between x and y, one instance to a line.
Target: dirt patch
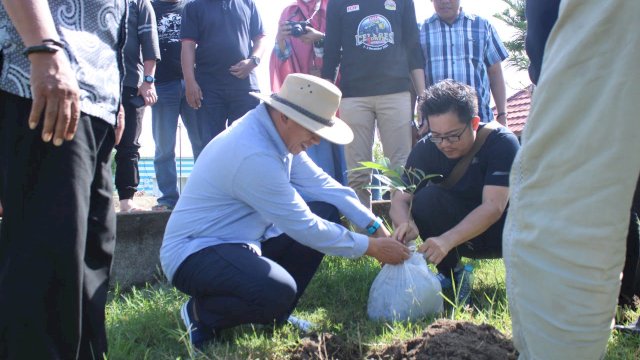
324	346
444	339
447	339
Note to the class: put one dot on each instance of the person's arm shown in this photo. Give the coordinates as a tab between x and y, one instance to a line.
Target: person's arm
150	50
189	36
499	91
280	204
494	203
314	184
188	61
54	87
148	89
400	214
541	16
417	78
332	42
243	68
283	47
411	35
119	130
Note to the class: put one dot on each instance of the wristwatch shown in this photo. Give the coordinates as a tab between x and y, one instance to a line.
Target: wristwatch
149	79
375	226
255	59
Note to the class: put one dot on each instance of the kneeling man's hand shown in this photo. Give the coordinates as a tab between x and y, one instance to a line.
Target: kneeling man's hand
406	232
434	249
387	250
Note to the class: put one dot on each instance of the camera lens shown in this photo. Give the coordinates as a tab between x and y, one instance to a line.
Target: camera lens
297	30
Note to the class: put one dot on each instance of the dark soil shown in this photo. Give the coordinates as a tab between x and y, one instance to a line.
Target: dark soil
444	339
324	346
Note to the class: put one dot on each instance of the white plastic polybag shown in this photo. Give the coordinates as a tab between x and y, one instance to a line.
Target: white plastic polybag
406	291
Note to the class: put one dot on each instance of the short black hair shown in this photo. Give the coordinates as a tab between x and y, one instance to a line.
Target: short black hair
450	96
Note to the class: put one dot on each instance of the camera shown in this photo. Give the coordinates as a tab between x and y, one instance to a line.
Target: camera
298	28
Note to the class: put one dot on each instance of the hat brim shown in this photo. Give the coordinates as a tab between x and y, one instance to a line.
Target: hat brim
339	133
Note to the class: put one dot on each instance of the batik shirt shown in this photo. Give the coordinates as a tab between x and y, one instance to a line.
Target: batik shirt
90	30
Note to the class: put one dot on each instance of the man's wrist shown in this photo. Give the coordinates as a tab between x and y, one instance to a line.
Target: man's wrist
501	114
373	226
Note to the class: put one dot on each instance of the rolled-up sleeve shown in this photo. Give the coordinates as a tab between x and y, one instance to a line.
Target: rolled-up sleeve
148	32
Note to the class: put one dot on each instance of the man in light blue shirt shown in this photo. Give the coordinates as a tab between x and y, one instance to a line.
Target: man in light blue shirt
241	241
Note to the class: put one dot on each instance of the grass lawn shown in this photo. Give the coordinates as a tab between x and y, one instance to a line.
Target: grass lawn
145	323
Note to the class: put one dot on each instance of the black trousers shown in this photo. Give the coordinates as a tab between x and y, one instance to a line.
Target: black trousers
127	151
57	238
436	210
232	285
631	272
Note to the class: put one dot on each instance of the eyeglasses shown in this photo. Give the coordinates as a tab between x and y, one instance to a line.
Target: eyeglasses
450	138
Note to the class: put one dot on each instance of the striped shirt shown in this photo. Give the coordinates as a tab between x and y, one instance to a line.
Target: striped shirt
462	51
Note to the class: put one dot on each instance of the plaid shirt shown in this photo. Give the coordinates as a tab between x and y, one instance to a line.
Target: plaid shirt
462	51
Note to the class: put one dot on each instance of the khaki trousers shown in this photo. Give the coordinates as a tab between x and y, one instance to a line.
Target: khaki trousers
392	113
572	183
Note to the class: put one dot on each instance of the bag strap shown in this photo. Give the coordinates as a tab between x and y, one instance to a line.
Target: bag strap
463	164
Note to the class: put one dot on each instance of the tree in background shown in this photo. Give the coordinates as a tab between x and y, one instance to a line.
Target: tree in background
514	16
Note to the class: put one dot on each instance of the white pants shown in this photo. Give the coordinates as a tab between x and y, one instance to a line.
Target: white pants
572	183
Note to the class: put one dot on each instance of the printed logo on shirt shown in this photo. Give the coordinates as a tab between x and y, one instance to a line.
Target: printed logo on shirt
169	28
390	5
352	8
374	33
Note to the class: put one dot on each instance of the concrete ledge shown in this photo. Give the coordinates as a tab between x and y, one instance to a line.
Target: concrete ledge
138	239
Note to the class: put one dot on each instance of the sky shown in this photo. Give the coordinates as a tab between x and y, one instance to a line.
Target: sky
270	11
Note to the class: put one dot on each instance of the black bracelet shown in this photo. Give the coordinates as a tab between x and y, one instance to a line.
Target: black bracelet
500	114
48	46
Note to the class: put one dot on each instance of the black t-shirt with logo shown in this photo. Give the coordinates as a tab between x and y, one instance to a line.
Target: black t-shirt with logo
169	18
375	42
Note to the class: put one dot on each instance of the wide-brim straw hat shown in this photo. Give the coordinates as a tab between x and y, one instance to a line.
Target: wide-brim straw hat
311	102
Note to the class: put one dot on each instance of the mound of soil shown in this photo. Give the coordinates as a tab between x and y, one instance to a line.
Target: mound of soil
447	339
444	339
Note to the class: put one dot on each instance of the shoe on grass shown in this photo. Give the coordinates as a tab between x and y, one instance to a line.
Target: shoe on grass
199	333
303	325
632	329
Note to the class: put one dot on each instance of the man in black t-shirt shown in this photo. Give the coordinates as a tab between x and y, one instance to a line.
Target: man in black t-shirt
171	104
467	218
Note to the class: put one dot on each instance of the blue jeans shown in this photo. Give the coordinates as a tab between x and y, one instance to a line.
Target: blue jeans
220	108
171	103
232	285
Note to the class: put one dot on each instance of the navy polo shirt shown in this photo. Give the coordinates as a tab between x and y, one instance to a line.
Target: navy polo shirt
223	30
